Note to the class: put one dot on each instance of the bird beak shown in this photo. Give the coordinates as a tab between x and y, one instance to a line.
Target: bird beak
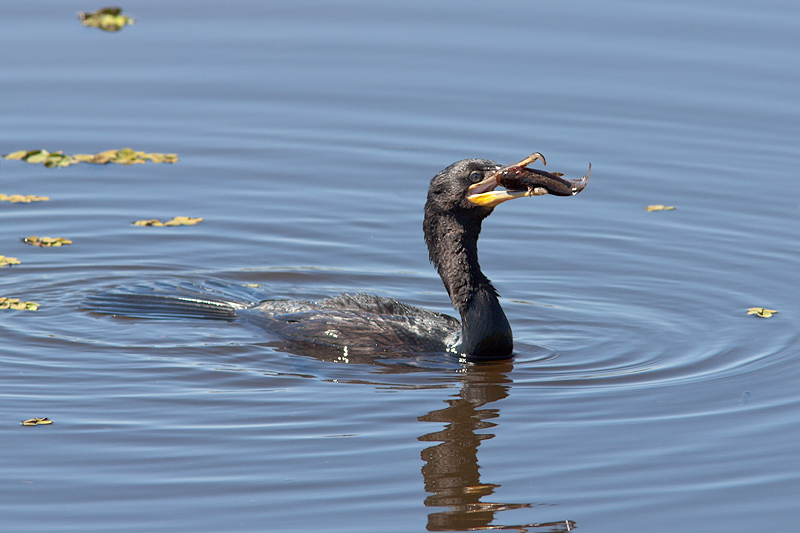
519	181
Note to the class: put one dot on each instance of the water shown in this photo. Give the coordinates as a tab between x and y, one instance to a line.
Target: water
642	395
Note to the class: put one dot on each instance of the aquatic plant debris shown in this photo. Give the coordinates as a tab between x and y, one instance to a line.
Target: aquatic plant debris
107	19
46	241
48	159
125	156
16	304
761	311
20	199
37	422
177	221
660	208
8	261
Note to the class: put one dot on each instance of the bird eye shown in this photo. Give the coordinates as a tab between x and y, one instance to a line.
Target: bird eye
475	176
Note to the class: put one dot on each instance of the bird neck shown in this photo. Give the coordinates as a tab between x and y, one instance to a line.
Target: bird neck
453	249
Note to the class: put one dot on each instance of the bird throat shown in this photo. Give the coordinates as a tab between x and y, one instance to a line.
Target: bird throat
453	249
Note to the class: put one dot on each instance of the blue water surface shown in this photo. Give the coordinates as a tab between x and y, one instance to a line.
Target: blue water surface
642	395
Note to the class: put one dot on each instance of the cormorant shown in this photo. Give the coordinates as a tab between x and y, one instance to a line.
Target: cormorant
459	198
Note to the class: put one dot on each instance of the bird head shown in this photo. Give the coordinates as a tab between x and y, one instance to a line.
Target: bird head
470	186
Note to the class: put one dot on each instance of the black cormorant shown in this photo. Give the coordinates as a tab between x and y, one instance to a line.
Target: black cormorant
459	198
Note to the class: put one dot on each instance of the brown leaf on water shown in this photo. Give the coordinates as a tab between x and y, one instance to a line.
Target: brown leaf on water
37	422
20	199
761	311
8	261
46	241
660	208
16	304
108	19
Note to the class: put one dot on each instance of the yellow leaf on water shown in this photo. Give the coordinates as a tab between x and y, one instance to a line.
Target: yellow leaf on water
37	422
20	199
8	261
37	157
660	207
59	159
46	241
17	156
177	221
17	305
103	157
183	221
125	156
761	311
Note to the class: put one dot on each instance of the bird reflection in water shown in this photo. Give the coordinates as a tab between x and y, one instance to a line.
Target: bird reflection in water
451	470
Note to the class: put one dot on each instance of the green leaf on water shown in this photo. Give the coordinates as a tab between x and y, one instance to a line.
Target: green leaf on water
37	157
108	19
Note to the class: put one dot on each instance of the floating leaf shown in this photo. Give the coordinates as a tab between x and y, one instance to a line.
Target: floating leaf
183	221
37	422
17	156
107	18
251	285
20	199
660	207
151	222
17	305
58	159
8	261
37	156
46	241
762	312
125	156
177	221
48	159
